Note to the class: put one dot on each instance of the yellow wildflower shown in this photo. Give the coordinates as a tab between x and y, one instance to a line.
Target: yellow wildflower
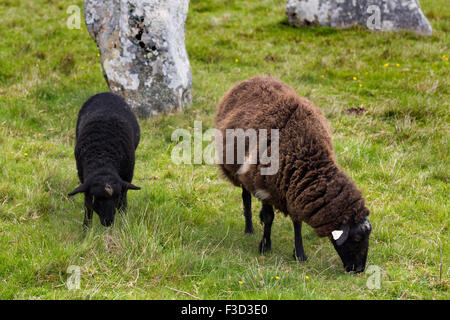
386	64
241	282
354	78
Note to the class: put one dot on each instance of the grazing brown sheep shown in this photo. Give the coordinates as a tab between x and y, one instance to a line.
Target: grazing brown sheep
308	186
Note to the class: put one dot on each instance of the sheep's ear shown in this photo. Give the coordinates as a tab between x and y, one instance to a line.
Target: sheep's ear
130	186
79	189
340	235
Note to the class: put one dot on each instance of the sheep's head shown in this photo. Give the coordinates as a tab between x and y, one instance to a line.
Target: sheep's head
351	242
103	195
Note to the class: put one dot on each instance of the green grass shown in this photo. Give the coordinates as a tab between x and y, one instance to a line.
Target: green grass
184	229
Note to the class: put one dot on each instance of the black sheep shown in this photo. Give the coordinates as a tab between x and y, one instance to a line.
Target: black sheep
107	136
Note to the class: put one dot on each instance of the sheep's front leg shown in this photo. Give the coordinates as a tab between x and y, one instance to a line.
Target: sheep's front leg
266	216
247	200
299	253
123	203
87	212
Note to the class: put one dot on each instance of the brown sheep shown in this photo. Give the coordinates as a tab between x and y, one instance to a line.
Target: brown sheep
308	185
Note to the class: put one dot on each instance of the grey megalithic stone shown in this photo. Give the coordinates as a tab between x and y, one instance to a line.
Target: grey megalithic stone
382	15
142	50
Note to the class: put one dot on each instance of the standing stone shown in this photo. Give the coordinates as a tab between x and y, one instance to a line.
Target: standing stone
142	51
381	15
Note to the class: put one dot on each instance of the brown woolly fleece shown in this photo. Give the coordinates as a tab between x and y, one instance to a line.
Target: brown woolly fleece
309	186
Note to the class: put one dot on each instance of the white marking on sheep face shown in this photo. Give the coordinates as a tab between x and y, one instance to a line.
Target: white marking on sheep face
337	234
262	194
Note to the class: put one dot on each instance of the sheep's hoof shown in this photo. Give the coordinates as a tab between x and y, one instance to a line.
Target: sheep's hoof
86	226
300	257
249	229
264	246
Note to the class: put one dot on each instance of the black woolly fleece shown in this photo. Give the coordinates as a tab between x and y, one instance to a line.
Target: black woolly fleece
107	136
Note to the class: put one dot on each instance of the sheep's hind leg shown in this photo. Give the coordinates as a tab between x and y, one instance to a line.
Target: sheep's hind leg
266	216
299	253
247	200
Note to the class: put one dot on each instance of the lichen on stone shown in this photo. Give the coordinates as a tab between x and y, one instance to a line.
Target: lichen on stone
143	54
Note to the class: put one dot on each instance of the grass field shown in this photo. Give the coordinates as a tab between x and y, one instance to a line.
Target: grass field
184	229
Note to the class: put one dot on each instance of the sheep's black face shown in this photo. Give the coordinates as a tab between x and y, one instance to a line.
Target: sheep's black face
105	200
105	209
104	194
352	245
